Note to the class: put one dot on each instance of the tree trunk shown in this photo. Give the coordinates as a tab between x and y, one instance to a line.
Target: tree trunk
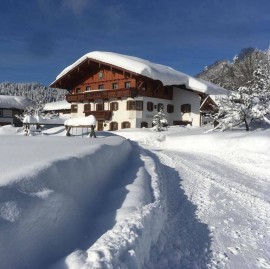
247	125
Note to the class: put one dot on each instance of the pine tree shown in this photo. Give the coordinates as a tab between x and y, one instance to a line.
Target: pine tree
160	122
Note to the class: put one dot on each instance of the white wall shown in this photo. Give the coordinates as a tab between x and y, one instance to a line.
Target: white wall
181	97
6	116
135	118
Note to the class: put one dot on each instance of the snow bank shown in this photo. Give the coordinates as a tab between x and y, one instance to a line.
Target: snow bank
48	202
166	74
128	243
236	147
81	121
17	102
64	207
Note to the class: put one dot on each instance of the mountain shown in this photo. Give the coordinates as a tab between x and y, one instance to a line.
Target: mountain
215	71
239	72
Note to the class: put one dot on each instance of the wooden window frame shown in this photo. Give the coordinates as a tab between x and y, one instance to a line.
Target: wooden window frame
101	86
127	84
74	108
114	106
135	105
125	125
186	108
170	108
144	123
150	106
114	85
99	107
112	126
100	75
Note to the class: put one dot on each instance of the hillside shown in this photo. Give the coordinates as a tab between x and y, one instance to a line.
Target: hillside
239	72
215	72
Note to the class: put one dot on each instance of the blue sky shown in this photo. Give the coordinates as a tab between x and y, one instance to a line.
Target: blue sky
39	38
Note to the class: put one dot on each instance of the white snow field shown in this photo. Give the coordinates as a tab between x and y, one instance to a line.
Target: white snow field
181	198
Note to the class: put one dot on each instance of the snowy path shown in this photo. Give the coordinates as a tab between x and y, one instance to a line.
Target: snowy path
218	216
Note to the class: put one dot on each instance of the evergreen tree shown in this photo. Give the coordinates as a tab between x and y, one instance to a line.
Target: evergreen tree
160	122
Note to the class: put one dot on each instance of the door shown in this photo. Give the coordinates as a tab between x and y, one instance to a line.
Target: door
100	125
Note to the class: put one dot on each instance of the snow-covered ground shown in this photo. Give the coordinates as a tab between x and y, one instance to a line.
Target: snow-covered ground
181	198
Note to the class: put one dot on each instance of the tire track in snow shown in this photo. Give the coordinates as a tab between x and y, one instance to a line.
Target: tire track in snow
184	241
236	214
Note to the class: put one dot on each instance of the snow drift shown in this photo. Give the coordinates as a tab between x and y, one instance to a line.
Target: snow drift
49	199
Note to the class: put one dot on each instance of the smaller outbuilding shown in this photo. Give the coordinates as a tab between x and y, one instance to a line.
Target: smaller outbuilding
209	107
10	106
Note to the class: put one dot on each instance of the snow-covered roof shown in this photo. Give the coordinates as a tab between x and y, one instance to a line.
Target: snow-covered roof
15	102
215	98
167	75
81	121
59	105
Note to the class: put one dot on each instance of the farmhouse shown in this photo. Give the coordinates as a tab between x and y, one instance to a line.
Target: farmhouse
11	106
126	92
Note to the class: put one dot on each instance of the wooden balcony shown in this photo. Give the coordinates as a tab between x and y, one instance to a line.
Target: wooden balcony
100	115
101	94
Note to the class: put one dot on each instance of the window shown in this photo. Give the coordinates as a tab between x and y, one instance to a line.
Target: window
1	113
87	88
150	106
125	124
159	107
100	75
74	108
127	84
115	86
170	108
101	86
99	107
185	108
87	107
78	90
144	124
113	106
114	126
134	105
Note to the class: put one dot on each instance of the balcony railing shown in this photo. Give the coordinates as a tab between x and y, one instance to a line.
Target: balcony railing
101	94
100	115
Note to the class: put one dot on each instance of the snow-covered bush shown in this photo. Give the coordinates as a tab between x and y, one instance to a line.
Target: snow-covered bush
160	122
32	117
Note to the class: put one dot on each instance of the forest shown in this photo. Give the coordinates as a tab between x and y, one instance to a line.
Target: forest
34	91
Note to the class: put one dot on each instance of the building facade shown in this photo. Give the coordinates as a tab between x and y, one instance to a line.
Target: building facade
115	89
10	107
